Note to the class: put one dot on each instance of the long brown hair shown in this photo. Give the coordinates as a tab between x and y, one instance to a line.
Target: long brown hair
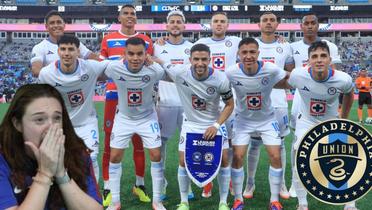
12	144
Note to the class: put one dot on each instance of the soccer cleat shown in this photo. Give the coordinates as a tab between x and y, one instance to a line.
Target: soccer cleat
231	189
275	205
106	197
116	206
368	120
223	206
140	191
207	190
158	206
292	192
284	194
238	205
183	206
302	207
248	192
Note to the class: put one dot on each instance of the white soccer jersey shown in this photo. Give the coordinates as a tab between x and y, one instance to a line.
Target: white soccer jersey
77	88
252	91
47	52
135	90
319	100
280	54
175	54
224	53
200	99
300	53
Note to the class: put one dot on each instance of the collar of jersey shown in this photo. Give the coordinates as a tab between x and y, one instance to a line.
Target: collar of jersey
125	62
316	40
135	34
49	40
203	79
330	74
218	40
183	41
58	65
260	64
268	42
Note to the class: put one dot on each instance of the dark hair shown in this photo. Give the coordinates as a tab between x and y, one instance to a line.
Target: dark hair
68	39
309	14
318	44
52	13
248	40
12	145
135	41
128	6
200	47
270	13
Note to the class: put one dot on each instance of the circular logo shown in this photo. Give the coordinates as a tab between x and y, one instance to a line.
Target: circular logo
146	78
211	90
196	156
279	50
265	81
208	157
228	43
108	123
187	51
214	8
84	77
334	161
332	90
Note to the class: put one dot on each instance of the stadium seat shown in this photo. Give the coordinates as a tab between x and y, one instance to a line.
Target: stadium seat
75	2
33	2
119	2
216	1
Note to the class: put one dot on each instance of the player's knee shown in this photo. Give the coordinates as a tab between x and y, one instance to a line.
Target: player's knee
155	155
116	156
238	159
275	159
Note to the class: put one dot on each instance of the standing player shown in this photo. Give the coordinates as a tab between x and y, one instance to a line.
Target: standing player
363	84
113	48
176	50
223	55
309	27
136	115
253	81
76	79
319	87
46	51
271	50
200	89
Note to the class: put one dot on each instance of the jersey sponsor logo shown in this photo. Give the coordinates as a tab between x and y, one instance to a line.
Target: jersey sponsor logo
211	90
297	52
84	77
265	81
254	101
118	43
332	90
198	103
268	59
305	88
57	85
121	78
185	83
164	52
76	97
317	107
334	161
50	53
228	43
146	78
218	62
134	97
237	83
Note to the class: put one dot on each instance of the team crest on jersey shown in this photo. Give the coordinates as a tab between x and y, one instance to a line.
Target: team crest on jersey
134	97
279	50
254	101
76	97
228	43
84	77
211	90
218	62
265	81
198	103
146	78
317	107
334	161
332	91
187	51
108	123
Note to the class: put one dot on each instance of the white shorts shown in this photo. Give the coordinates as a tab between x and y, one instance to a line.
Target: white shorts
295	109
302	127
170	118
281	115
268	131
187	128
124	128
89	133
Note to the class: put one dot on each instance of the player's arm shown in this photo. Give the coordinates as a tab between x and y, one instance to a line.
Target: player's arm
94	56
283	83
37	60
36	67
228	99
347	102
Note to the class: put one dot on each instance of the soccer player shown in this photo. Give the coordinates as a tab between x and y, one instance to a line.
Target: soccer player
253	81
200	88
363	84
113	48
136	115
223	54
318	101
45	52
176	50
309	27
280	53
75	79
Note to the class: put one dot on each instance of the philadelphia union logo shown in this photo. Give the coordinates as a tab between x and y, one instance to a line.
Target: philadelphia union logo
334	161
